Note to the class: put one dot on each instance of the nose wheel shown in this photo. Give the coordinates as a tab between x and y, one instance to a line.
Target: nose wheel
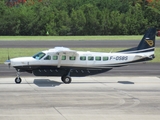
18	80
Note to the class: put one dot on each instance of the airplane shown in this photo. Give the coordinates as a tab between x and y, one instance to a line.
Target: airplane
64	62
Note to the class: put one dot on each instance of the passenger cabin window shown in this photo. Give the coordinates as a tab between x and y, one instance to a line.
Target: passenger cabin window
72	58
48	57
39	55
55	57
90	58
98	58
83	58
63	57
105	58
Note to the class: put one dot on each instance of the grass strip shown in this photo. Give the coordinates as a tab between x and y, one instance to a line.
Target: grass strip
24	52
32	38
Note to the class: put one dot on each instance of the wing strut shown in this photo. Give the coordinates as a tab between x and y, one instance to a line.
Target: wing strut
59	60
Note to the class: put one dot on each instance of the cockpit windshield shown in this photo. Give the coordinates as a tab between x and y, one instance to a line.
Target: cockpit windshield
39	55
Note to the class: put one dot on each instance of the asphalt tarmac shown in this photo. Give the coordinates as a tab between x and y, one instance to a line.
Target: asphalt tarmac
72	44
88	98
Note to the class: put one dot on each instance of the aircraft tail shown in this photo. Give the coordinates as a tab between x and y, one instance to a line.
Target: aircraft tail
147	44
148	40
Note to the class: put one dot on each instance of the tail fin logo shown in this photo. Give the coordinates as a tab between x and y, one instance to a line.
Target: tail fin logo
149	42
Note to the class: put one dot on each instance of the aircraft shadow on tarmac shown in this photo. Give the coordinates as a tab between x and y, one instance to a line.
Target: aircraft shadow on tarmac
52	83
46	83
121	82
125	82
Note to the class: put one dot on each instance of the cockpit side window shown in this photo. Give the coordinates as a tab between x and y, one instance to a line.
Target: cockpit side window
39	55
48	57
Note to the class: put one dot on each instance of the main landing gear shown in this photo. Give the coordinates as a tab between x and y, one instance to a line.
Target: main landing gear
18	80
66	78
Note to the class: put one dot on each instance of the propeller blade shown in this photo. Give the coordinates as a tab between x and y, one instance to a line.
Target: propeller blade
8	55
9	64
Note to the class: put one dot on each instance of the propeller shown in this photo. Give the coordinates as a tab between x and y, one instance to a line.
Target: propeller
8	62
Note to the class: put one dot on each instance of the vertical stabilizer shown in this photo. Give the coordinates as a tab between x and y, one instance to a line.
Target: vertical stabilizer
148	40
147	43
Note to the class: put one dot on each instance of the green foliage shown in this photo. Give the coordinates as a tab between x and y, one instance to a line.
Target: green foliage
79	17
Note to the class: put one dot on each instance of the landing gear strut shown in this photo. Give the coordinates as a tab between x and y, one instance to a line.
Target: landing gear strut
18	80
66	78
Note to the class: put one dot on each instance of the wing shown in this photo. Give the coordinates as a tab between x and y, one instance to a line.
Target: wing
64	50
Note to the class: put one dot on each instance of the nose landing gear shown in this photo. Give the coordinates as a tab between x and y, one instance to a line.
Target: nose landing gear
18	80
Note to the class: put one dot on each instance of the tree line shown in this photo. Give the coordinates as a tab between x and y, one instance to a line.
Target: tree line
79	17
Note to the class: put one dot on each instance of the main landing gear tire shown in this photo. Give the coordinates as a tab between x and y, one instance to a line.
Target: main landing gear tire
66	79
18	80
